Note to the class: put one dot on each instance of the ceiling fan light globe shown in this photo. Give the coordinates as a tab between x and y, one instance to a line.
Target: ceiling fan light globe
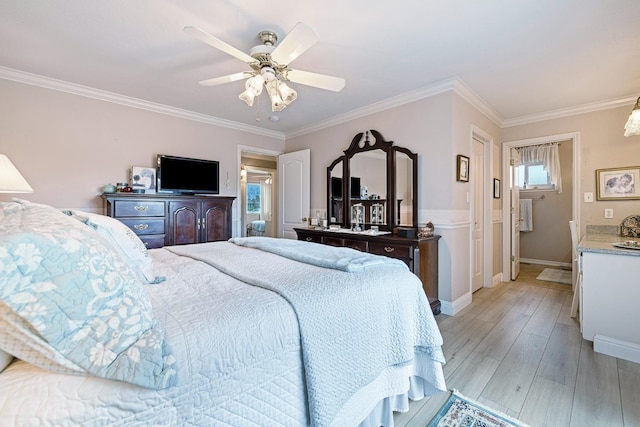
287	94
254	85
247	97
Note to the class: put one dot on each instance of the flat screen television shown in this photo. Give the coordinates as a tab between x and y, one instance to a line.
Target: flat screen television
336	186
183	175
355	187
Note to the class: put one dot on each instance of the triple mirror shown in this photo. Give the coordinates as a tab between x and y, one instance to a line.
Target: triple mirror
373	184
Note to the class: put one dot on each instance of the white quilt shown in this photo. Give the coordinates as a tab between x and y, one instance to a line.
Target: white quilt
239	357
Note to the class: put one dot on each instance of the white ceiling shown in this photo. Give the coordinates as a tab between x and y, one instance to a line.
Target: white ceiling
522	58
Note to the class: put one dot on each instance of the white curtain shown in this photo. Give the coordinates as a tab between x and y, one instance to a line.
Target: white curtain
265	208
548	155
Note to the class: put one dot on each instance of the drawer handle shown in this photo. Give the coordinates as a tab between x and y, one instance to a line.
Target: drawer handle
389	249
308	239
141	208
141	227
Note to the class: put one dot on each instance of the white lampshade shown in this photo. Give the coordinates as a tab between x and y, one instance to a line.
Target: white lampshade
10	179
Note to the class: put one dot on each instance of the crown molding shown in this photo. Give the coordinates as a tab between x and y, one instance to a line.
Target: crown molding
453	84
571	111
115	98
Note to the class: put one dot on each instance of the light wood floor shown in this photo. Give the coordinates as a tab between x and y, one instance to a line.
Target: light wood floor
516	349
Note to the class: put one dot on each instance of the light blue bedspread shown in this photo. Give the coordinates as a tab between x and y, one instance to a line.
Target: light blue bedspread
353	325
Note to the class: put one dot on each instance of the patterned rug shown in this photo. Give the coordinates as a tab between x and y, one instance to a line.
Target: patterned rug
460	411
556	275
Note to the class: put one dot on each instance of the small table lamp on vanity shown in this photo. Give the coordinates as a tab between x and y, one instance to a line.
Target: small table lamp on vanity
10	179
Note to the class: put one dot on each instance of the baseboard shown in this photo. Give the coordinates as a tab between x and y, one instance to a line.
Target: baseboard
617	348
545	262
451	308
496	279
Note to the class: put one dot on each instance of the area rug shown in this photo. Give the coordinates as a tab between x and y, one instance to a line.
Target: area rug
556	275
460	411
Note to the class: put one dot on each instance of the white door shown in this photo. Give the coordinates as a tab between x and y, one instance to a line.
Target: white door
477	231
514	190
294	201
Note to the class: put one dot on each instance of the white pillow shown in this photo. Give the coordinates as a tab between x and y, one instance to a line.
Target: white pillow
124	240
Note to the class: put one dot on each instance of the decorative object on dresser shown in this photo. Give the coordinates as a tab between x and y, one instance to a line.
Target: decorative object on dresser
166	220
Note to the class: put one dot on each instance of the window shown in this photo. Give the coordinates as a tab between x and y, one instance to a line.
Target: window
534	177
253	197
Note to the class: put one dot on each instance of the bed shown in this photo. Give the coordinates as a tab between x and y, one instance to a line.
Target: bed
253	331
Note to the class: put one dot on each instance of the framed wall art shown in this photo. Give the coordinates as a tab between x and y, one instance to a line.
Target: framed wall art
618	183
496	188
143	178
462	168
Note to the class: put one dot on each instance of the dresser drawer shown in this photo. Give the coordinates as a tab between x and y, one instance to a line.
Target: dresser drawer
403	252
144	226
332	241
152	242
359	245
310	238
138	208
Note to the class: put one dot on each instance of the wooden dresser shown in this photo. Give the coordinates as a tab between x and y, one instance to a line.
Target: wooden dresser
165	220
421	255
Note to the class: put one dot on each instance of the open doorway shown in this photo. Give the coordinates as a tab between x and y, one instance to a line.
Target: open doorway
546	239
258	198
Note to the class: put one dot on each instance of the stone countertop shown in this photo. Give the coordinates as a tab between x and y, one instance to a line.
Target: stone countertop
603	243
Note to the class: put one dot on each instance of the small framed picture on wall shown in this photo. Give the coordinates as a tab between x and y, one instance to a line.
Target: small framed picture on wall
462	168
496	188
618	183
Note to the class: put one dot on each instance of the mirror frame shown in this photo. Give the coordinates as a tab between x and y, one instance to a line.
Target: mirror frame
360	144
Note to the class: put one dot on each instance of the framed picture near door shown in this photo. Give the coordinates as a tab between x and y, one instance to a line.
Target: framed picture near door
462	168
496	188
618	183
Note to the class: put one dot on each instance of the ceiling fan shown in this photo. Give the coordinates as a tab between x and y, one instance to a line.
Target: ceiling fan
270	65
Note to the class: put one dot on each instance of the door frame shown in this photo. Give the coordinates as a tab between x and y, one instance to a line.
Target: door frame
487	247
506	202
257	150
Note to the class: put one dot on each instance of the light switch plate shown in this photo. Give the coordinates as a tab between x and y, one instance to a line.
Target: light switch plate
608	213
588	197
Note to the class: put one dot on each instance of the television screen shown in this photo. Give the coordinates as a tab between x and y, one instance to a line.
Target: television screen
355	187
336	186
183	175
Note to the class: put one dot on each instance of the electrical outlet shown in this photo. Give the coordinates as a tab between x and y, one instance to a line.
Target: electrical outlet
608	213
588	197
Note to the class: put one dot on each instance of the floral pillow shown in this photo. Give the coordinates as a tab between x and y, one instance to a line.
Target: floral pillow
68	290
124	240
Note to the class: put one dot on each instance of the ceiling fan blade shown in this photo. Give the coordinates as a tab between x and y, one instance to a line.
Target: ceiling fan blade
301	38
321	81
226	79
218	44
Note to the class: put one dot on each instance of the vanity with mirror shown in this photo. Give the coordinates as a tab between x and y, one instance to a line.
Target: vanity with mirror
372	206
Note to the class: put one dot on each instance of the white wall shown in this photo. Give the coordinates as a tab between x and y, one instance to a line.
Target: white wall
68	146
